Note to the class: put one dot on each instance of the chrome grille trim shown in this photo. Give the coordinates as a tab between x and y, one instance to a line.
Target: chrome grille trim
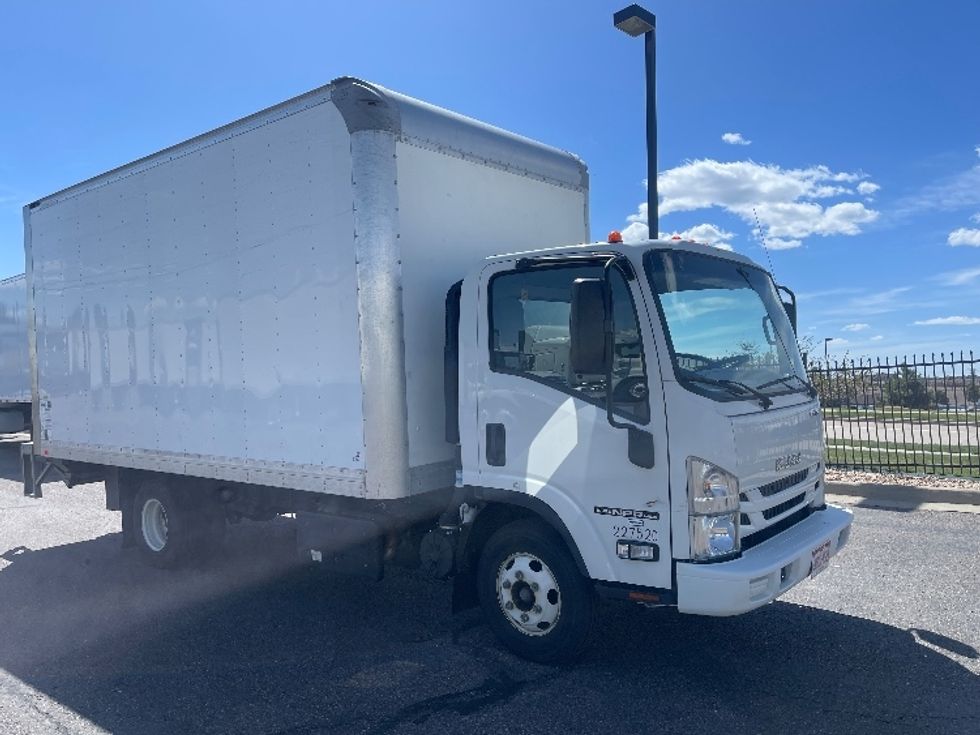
780	508
777	486
769	504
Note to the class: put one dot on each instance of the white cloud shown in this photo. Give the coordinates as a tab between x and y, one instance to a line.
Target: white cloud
781	201
884	297
823	294
839	341
877	338
975	218
736	184
871	304
867	188
954	192
858	327
962	277
707	233
964	236
778	243
735	139
635	232
958	321
882	302
637	229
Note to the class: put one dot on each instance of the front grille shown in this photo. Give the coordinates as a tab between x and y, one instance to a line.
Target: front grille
777	486
775	529
780	508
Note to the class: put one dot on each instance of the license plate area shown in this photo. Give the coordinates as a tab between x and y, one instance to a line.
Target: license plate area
820	558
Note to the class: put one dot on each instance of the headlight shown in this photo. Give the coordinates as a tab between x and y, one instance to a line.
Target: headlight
714	511
711	489
714	537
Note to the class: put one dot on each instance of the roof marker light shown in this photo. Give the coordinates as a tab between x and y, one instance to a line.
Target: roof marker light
615	236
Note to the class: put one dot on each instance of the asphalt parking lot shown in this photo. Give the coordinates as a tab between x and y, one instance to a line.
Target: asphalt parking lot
886	641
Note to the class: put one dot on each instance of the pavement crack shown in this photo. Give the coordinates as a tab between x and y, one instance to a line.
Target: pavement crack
497	688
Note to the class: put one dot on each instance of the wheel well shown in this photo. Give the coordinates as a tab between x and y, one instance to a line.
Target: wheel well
493	517
507	509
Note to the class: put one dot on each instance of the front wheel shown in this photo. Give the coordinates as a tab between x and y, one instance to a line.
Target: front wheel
533	596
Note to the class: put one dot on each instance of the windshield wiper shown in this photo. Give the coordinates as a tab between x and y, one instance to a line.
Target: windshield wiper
807	386
733	387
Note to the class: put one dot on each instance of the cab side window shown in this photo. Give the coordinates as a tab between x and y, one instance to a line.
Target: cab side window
529	336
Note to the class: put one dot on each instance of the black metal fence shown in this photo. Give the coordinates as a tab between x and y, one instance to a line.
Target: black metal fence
918	415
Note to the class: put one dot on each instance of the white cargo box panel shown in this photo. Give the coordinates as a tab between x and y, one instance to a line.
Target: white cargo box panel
265	303
15	374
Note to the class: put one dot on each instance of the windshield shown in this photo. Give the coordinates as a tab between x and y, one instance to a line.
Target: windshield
729	335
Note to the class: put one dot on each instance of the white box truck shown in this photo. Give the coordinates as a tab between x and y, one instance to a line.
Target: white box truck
307	313
15	372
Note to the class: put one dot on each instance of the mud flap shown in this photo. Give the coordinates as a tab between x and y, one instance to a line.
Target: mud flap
28	467
464	592
342	544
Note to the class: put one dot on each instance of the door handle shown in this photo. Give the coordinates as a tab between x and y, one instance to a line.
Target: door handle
496	445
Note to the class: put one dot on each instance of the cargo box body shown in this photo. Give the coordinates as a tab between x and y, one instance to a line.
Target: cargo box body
265	303
15	373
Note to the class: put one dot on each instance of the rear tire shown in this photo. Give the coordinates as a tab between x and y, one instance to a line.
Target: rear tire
533	597
170	529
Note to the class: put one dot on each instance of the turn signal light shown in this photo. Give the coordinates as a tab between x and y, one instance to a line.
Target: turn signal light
615	236
637	551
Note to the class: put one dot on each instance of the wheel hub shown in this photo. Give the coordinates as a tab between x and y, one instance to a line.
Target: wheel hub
528	594
522	595
153	523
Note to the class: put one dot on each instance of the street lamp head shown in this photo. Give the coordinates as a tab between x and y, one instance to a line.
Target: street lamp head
634	20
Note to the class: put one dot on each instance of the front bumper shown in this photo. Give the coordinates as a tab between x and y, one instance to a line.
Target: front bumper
762	573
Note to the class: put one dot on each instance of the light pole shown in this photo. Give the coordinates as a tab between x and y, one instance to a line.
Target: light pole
826	341
635	21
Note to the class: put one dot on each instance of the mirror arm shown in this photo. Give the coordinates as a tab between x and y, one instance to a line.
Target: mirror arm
610	343
792	302
640	442
766	320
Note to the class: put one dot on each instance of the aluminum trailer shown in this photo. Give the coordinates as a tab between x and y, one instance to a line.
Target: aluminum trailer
15	374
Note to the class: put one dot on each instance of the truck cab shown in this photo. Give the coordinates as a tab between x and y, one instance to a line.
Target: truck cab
650	401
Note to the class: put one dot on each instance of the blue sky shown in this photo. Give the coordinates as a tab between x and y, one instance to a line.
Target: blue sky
863	119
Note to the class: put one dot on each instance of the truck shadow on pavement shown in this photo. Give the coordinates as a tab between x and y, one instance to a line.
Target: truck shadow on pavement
251	643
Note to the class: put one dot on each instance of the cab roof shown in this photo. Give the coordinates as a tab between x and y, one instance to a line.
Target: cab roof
632	250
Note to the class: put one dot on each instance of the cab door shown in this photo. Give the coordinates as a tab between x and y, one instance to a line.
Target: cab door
543	429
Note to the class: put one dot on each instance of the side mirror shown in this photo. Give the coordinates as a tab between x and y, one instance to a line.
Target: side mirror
587	326
789	305
766	328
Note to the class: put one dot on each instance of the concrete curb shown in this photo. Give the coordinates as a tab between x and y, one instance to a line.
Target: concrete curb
904	497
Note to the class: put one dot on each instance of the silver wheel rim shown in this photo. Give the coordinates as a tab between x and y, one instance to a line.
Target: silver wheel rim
528	594
154	524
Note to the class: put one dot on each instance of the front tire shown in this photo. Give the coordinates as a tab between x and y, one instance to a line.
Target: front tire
533	597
